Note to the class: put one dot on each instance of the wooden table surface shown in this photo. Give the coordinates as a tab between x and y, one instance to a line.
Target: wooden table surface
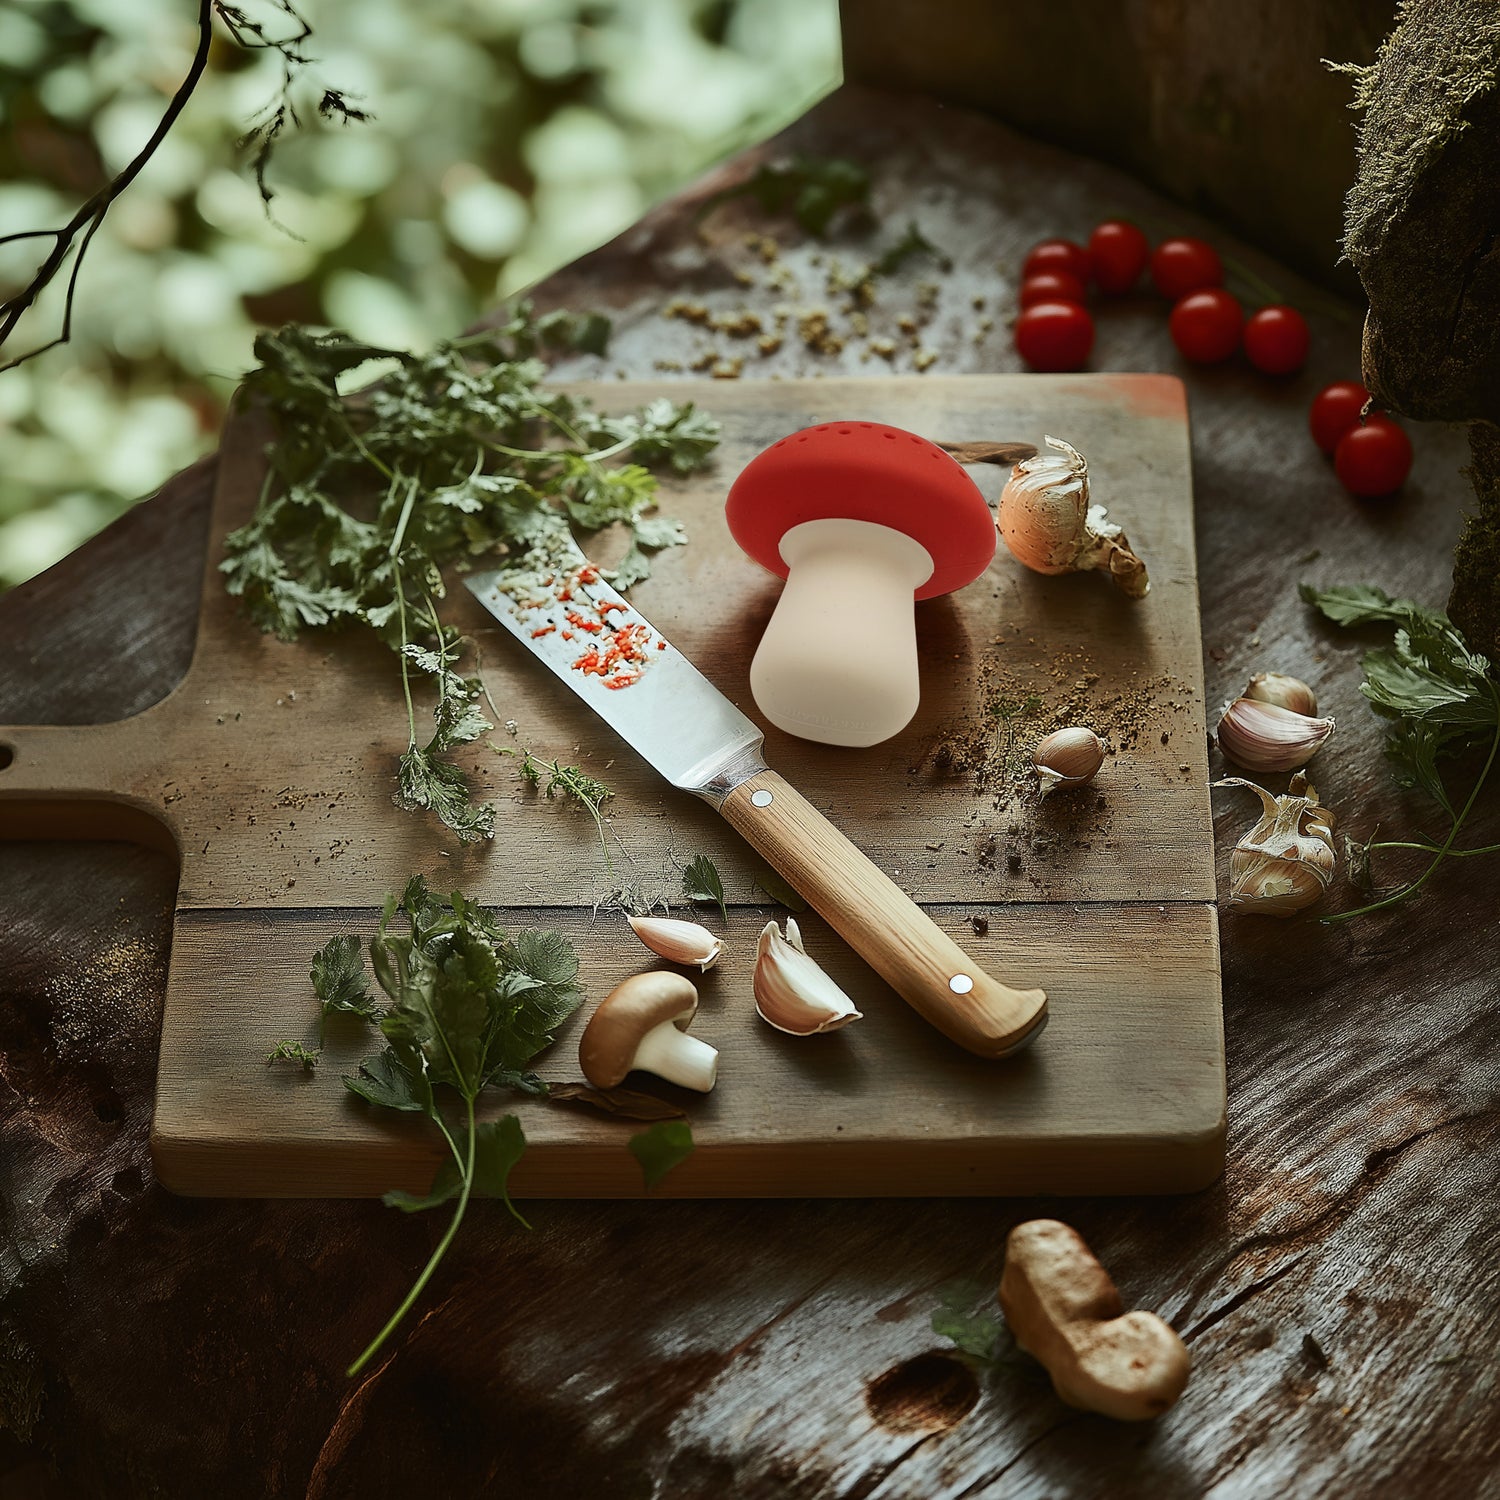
1339	1289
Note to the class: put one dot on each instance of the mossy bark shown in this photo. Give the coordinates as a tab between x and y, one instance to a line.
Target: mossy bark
1422	229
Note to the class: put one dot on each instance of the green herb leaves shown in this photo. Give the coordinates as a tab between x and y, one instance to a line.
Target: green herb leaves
338	980
452	456
295	1052
667	1144
469	1008
810	188
1440	699
701	882
967	1315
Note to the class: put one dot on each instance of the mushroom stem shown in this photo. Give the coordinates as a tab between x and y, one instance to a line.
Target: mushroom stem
838	661
677	1057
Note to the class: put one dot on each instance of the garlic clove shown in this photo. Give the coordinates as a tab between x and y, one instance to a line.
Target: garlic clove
1287	860
1283	691
678	942
791	992
1267	737
1068	758
1046	520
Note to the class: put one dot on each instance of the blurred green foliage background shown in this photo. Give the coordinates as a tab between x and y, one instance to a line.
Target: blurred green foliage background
507	137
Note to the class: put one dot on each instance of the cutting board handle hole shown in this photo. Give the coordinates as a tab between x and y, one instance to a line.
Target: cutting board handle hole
7	755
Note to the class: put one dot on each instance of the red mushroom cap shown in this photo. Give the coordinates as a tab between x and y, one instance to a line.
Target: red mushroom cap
865	471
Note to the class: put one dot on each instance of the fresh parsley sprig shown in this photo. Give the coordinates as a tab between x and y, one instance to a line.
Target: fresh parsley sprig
452	456
1439	698
469	1008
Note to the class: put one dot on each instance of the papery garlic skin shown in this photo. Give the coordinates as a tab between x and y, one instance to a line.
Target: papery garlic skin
1047	522
1287	860
678	942
1265	737
1283	691
791	992
1068	758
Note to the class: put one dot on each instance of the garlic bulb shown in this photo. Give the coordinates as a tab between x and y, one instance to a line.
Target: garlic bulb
1283	691
1048	524
679	942
791	992
1287	860
1266	737
1068	758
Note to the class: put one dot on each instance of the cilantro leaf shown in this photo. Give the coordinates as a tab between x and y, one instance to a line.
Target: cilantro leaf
665	1145
1439	699
498	1146
967	1315
424	781
368	502
469	1007
385	1080
811	188
338	979
778	889
297	1053
701	882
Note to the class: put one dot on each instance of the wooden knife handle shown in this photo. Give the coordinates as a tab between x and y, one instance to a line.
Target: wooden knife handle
880	922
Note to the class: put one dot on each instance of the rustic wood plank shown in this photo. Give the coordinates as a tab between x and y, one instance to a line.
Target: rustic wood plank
784	1349
886	1106
271	763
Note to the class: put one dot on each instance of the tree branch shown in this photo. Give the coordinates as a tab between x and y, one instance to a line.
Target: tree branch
91	215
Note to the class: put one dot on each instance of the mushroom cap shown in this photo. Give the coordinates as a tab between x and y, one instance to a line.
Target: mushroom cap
607	1048
865	471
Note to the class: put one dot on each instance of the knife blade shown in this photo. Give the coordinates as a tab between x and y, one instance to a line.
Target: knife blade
670	714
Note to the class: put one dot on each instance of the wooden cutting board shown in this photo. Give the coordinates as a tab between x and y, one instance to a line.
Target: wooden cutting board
268	771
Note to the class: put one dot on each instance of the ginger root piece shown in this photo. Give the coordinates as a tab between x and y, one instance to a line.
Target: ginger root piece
1064	1311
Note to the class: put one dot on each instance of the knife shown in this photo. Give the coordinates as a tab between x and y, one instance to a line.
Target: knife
675	718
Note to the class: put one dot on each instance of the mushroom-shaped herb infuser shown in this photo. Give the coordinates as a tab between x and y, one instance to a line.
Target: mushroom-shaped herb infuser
642	1023
861	520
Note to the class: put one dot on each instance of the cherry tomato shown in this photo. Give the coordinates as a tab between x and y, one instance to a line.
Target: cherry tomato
1206	326
1276	340
1119	252
1374	459
1335	410
1182	266
1058	255
1054	336
1051	286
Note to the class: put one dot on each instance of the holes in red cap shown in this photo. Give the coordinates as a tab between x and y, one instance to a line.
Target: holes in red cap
889	436
803	438
844	431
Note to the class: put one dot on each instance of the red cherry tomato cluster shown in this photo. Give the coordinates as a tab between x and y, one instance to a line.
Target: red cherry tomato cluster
1055	332
1372	457
1207	324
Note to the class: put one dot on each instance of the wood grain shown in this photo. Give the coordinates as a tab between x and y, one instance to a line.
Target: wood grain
269	769
880	922
883	1106
1337	1287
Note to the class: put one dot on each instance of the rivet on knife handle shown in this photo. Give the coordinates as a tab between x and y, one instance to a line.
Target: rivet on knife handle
881	923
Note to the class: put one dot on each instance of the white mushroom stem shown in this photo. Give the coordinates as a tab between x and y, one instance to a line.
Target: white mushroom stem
677	1057
838	661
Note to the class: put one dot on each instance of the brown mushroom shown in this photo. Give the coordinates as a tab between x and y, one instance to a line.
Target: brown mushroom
643	1023
1065	1311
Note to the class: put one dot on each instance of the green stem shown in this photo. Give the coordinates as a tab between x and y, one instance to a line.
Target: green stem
1408	891
411	713
1434	848
436	1256
396	540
